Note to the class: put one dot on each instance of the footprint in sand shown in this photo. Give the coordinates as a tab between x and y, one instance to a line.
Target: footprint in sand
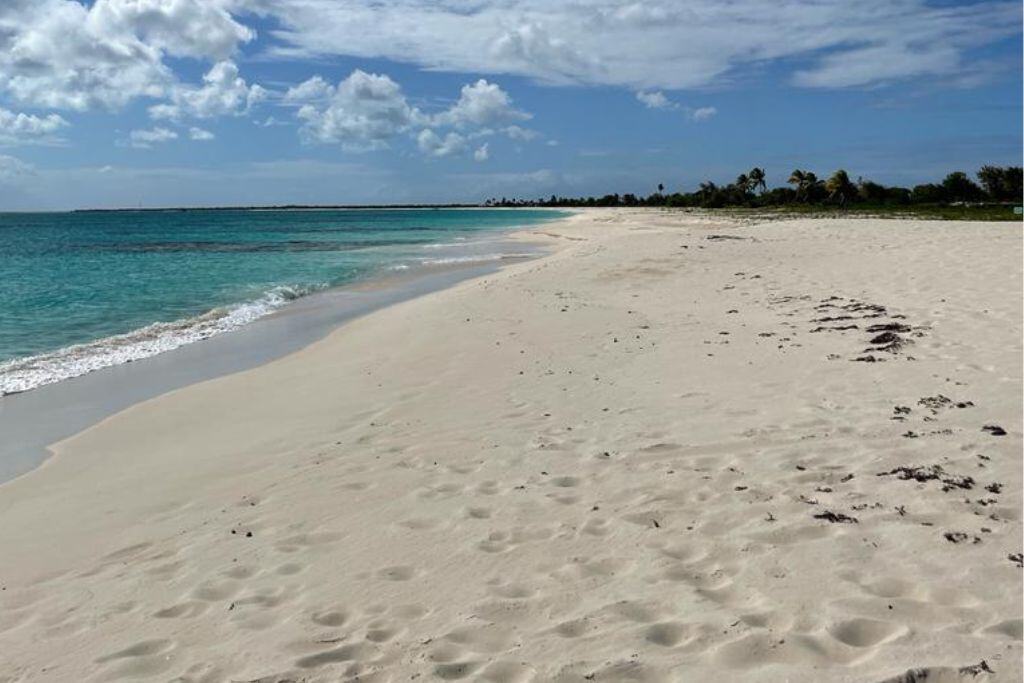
397	573
488	488
353	652
596	527
669	633
511	591
143	649
212	591
478	512
146	658
290	569
507	672
332	618
573	628
486	639
862	632
455	670
240	572
381	631
185	610
420	523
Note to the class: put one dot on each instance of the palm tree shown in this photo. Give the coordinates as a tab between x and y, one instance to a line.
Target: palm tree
661	188
799	180
756	179
839	187
804	182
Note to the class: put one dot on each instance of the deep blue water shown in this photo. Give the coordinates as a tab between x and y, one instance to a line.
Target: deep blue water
130	284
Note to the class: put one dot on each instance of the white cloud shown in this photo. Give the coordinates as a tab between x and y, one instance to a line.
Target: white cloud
481	104
183	28
82	54
867	65
223	93
24	128
655	43
362	113
12	168
482	153
200	134
271	121
367	111
66	54
702	113
432	144
655	99
144	139
519	133
310	90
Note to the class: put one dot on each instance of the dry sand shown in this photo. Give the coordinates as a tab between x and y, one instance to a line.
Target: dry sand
649	456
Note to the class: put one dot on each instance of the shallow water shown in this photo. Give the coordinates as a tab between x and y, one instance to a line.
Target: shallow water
83	291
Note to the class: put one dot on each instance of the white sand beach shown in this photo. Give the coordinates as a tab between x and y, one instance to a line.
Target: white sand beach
659	453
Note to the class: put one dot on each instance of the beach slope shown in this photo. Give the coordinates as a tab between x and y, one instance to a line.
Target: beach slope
674	449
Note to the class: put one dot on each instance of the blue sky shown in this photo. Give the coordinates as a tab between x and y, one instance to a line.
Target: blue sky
117	103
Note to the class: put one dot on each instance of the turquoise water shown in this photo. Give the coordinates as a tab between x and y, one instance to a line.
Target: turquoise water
79	291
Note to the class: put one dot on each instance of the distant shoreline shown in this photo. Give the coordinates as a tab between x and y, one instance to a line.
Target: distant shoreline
291	207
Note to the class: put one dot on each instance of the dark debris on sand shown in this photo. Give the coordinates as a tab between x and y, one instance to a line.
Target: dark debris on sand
926	674
927	473
886	336
957	537
888	327
939	402
836	517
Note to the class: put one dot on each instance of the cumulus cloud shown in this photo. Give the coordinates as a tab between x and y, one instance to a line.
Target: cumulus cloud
183	28
702	113
311	90
200	134
367	111
432	144
655	99
144	139
520	133
224	92
655	43
363	112
21	128
482	153
66	54
481	104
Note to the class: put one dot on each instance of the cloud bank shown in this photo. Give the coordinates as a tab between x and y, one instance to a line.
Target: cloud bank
652	44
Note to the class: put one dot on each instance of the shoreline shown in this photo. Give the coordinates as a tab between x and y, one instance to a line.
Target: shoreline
74	357
624	460
34	419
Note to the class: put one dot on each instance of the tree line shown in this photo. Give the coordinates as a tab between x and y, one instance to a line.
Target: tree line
995	184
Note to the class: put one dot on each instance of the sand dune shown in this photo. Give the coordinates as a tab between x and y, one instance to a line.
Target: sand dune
675	449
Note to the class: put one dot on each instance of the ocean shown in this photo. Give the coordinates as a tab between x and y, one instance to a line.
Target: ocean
86	290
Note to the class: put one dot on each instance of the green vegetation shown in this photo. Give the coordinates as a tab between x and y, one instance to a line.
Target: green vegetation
957	197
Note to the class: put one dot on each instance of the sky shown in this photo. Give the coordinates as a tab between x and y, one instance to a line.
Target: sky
147	103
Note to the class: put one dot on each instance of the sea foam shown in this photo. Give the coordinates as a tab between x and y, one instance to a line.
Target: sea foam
23	374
